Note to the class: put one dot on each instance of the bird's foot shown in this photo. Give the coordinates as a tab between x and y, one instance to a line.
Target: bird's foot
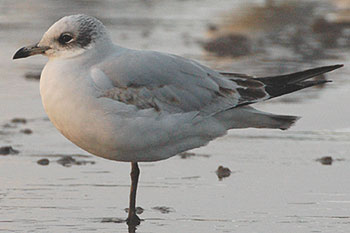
133	220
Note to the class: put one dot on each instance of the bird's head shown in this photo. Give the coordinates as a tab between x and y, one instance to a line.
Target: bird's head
68	37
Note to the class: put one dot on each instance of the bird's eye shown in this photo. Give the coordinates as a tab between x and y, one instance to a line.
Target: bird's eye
65	38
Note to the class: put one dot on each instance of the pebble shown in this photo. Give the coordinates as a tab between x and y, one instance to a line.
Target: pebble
113	220
326	160
7	125
186	155
212	27
34	76
163	209
19	120
8	150
68	161
223	172
43	162
26	131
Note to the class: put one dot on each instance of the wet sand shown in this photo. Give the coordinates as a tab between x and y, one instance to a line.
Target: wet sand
276	182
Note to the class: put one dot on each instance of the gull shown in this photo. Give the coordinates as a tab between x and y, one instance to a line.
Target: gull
142	106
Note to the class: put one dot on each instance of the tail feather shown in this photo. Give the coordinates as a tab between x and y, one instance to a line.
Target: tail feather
284	122
249	117
244	116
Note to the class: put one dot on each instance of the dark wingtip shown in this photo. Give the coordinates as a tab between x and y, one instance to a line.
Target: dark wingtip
297	77
21	53
336	66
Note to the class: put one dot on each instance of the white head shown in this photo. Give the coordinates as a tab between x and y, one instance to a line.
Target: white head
69	37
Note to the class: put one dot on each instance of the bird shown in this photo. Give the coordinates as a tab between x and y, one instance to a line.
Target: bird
142	106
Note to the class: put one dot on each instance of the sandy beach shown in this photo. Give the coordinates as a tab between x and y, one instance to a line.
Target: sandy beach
280	181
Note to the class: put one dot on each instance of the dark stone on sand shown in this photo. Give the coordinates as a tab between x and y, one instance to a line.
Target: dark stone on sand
145	33
43	162
8	150
233	45
185	155
163	209
113	220
212	27
223	172
326	160
19	120
68	161
7	125
139	210
33	76
26	131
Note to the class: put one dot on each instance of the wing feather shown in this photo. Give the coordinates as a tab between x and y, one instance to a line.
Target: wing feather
174	84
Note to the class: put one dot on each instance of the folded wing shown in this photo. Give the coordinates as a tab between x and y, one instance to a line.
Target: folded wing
174	84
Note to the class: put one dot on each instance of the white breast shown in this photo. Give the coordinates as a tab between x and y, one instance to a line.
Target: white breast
69	99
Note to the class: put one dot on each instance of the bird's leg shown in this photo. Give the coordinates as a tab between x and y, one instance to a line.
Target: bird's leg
133	219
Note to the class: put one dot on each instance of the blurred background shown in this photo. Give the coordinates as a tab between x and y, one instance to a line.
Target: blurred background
278	182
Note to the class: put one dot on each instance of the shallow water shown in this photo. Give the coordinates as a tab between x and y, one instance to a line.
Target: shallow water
276	184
